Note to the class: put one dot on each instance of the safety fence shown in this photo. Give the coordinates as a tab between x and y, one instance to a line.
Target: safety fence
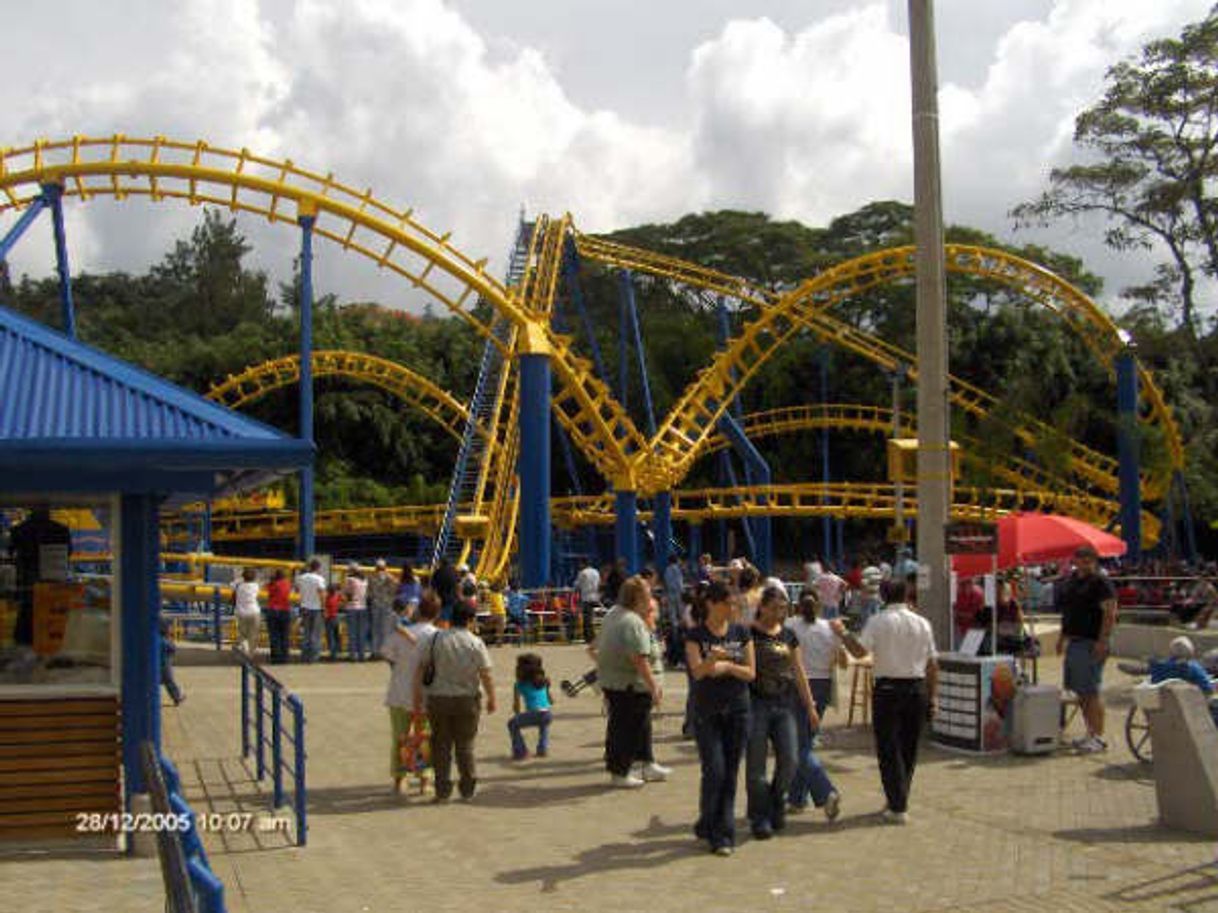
190	884
265	702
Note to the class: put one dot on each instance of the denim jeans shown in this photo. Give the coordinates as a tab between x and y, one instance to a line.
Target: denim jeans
333	641
810	776
357	633
721	738
539	718
310	634
773	722
380	618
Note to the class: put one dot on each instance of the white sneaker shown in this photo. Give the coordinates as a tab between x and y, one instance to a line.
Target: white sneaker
1092	745
891	817
629	781
833	806
654	773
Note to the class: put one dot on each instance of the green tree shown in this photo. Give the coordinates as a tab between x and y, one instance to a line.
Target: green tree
1149	162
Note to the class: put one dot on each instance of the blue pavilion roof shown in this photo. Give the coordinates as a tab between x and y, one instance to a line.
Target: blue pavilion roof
68	408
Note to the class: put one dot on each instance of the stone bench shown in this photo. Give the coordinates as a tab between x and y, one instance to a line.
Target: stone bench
1184	741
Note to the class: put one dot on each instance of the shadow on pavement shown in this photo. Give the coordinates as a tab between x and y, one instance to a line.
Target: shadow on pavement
1173	890
1151	832
609	857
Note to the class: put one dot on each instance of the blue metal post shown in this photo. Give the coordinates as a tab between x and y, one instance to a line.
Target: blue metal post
661	524
623	355
759	532
305	510
216	633
533	464
626	290
205	538
140	634
626	529
695	546
277	746
1128	474
259	728
826	520
1186	511
9	241
571	275
245	710
54	196
301	796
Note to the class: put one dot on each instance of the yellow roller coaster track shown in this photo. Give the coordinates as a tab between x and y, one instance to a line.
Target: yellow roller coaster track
853	417
840	499
157	169
257	381
806	308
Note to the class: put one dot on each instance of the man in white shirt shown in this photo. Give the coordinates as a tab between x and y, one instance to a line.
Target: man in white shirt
902	647
588	586
311	586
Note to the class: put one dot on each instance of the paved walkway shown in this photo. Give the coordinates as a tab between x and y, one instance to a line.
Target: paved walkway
1003	835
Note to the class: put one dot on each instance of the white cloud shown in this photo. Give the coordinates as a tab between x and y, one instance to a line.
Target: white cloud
809	120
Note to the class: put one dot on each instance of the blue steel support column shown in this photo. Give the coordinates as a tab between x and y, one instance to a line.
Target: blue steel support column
695	547
306	542
661	524
205	538
9	241
1127	453
826	520
575	290
626	290
533	464
54	196
626	529
140	634
1186	517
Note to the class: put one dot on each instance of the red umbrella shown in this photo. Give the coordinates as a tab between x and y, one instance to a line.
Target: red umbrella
1026	538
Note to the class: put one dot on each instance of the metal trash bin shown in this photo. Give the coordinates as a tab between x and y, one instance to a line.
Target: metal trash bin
1035	722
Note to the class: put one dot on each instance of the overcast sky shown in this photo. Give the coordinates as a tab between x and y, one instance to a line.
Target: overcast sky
619	111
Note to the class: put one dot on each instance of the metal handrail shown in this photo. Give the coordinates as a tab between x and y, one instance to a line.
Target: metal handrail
255	713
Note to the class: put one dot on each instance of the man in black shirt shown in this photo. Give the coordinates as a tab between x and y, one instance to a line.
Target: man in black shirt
1089	608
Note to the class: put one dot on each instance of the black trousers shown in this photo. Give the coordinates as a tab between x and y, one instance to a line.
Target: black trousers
898	713
628	730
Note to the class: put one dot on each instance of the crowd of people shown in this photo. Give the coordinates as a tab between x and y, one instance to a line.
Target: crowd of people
760	669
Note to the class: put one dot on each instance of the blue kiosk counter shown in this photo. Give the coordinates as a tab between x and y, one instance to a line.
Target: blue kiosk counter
91	448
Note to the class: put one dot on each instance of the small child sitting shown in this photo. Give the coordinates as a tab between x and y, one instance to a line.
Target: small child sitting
533	691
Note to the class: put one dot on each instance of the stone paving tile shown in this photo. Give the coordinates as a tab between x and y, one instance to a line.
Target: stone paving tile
1000	835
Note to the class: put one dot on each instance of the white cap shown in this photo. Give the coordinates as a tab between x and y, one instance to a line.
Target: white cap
381	564
774	583
1181	648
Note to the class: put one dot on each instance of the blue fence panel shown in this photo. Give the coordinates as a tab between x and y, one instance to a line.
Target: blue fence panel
263	704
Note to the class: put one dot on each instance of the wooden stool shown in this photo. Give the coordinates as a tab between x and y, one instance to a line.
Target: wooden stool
860	691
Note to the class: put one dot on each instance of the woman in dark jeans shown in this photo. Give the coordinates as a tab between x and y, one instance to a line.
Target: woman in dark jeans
780	691
719	657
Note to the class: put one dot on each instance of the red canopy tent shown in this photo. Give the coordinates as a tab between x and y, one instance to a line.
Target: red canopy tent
1026	538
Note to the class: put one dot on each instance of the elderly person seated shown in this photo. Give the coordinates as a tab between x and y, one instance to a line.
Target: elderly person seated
1182	665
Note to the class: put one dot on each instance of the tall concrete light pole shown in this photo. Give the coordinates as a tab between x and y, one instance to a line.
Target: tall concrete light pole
934	458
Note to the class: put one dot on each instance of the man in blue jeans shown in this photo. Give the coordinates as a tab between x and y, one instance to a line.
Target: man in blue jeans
1088	605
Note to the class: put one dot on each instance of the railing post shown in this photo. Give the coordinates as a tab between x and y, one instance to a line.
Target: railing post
215	616
300	799
277	745
245	710
259	713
